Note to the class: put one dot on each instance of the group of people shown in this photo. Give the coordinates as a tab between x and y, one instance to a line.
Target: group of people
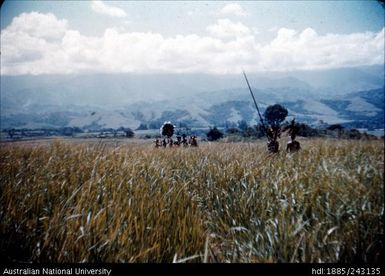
273	133
180	141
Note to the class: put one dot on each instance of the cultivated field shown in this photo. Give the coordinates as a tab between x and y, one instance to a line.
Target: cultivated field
64	201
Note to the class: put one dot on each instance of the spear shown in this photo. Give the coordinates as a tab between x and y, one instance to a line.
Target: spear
255	102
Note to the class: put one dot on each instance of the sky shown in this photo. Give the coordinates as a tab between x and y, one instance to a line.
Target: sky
215	37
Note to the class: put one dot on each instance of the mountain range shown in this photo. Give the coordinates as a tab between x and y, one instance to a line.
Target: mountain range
350	96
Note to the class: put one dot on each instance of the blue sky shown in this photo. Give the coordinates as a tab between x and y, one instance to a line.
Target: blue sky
180	36
183	17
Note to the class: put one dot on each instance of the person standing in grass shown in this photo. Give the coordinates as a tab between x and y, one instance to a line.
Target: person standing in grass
293	145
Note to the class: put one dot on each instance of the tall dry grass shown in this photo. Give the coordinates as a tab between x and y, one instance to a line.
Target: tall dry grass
220	202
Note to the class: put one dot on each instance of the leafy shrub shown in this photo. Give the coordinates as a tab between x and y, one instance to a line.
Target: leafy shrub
214	134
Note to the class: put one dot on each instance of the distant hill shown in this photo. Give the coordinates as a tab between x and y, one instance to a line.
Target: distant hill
351	96
363	109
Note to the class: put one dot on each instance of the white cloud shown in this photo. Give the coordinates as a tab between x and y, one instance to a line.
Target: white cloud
307	50
273	29
38	25
44	44
233	9
102	8
225	28
255	30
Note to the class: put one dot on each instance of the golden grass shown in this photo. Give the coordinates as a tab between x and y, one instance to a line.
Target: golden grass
221	202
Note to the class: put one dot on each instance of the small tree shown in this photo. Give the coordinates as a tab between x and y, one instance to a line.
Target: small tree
67	131
275	115
127	131
307	131
214	134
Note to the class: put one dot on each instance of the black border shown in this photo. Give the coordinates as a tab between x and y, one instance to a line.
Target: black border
213	269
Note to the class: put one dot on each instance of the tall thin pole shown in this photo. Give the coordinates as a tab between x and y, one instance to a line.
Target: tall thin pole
255	102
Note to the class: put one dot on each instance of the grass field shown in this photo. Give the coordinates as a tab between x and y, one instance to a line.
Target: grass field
64	201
